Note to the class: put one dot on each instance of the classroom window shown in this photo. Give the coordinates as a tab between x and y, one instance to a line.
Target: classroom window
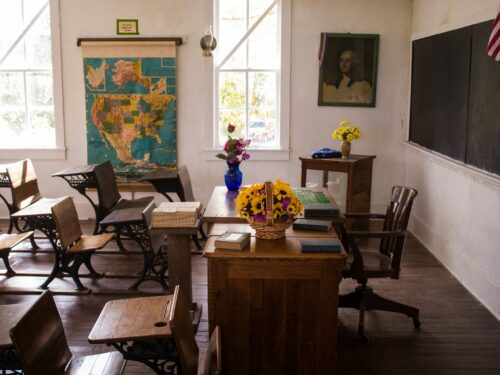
27	114
248	72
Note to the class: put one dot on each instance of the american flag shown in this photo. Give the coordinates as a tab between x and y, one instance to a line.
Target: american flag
493	47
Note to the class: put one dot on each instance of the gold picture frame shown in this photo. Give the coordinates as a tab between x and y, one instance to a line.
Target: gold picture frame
127	27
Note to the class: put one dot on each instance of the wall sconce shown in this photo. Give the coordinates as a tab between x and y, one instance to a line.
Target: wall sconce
208	43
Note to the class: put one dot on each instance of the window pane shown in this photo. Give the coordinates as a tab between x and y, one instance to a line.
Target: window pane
256	8
262	107
262	49
39	87
11	89
232	26
26	95
232	90
38	44
236	118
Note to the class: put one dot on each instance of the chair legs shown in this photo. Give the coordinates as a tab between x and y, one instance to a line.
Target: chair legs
364	299
5	257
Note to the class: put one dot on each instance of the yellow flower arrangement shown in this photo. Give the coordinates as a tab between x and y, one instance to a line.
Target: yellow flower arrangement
346	132
251	202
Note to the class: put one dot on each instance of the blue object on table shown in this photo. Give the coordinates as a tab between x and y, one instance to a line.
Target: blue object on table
326	153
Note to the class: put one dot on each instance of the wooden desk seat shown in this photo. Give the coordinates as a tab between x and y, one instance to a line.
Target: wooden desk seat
115	213
76	247
41	345
7	242
24	190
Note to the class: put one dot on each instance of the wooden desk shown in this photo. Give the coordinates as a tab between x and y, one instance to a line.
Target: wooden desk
359	177
39	216
10	316
277	306
138	328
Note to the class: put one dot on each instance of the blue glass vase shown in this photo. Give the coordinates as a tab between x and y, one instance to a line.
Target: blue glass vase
233	176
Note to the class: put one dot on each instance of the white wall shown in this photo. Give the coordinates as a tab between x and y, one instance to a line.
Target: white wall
311	125
457	213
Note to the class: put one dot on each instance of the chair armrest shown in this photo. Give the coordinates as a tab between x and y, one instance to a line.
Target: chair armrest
363	215
375	234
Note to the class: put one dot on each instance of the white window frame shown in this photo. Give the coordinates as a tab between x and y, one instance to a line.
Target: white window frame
59	151
282	150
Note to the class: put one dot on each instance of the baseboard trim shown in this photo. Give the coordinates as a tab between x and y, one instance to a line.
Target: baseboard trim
459	265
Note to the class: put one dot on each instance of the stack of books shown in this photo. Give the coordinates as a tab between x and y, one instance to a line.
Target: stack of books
232	240
176	214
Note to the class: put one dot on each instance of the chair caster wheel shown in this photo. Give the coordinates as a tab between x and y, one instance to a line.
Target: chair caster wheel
364	339
416	323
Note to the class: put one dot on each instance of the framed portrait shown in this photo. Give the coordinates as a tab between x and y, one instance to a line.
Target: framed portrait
348	70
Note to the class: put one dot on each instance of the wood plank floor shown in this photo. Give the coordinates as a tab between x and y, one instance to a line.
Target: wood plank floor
458	335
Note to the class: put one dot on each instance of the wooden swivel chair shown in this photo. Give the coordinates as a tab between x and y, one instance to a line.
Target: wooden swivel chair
76	248
110	200
42	348
182	331
384	263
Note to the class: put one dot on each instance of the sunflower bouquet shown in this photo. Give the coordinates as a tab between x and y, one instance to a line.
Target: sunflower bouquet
346	132
270	208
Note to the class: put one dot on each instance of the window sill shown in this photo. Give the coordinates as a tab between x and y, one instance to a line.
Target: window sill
33	153
256	155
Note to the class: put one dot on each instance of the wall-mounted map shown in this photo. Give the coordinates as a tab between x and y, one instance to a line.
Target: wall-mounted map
131	112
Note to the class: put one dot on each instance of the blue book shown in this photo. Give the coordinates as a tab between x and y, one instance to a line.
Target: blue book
330	245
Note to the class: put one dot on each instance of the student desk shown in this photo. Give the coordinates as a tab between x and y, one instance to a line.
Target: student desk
9	362
138	328
359	177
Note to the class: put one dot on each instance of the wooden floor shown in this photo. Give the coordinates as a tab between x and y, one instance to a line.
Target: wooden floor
458	335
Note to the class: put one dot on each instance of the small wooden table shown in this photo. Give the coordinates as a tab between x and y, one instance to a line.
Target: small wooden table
10	315
276	305
359	177
138	328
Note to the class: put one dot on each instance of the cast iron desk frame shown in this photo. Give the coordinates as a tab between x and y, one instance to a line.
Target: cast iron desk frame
130	222
359	177
39	216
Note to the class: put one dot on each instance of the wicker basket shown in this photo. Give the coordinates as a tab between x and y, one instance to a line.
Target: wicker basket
269	229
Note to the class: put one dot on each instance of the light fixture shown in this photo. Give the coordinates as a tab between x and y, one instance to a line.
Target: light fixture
208	42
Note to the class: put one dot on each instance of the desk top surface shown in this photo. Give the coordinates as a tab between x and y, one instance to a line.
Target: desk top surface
133	319
283	248
43	207
76	170
160	175
221	207
350	159
10	316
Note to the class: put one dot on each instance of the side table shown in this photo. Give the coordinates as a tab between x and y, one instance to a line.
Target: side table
359	177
